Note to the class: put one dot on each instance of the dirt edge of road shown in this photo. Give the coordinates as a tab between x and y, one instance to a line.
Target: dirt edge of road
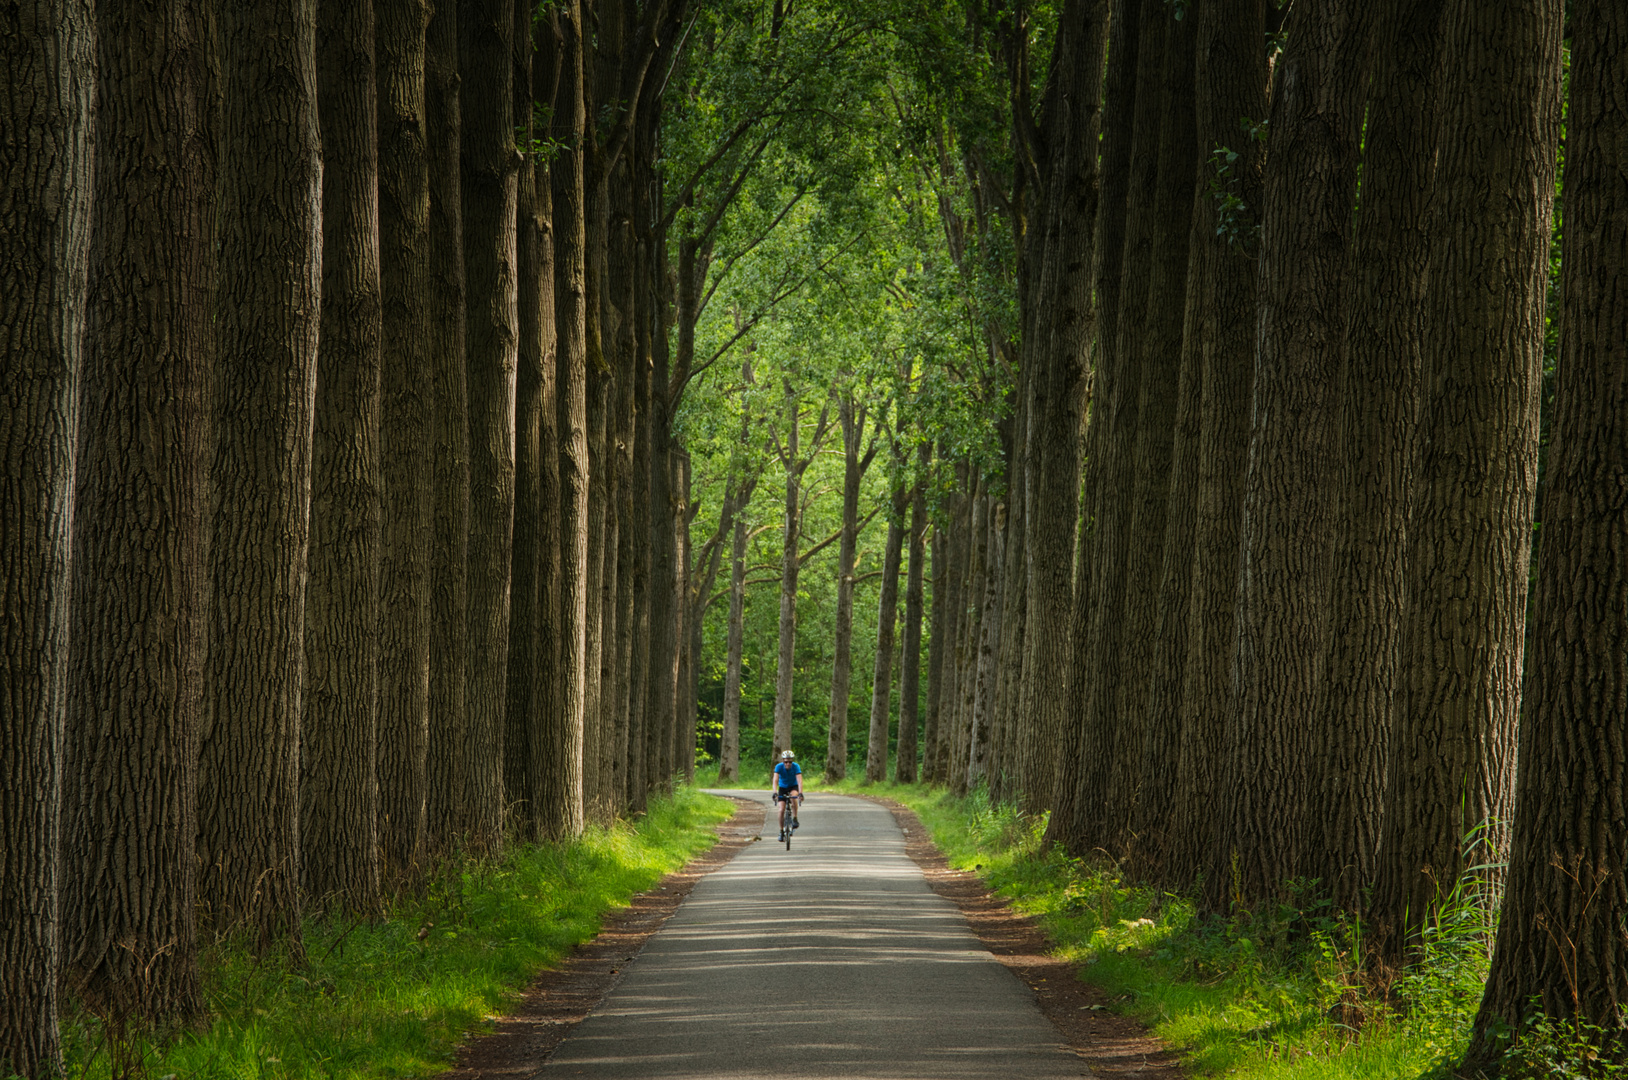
1111	1046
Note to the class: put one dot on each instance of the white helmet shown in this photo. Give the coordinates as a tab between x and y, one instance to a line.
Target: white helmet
787	755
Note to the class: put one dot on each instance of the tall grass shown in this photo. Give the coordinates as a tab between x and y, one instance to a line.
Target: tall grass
392	998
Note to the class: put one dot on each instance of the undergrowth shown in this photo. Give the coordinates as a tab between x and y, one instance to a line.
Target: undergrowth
392	998
1282	992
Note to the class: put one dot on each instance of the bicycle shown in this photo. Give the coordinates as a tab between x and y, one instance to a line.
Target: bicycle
785	802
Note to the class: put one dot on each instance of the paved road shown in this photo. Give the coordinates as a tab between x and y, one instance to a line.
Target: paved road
831	960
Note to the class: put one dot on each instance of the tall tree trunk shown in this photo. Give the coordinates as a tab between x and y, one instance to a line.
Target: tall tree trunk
1367	603
887	618
688	630
593	723
1286	536
339	738
790	534
910	661
937	630
979	752
1064	330
449	571
269	297
530	653
729	752
48	105
851	414
490	191
141	525
1231	83
955	556
1080	821
1008	721
975	549
1162	358
405	433
1570	837
559	778
1453	748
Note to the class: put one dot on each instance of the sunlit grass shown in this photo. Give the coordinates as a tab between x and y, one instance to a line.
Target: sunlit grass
393	998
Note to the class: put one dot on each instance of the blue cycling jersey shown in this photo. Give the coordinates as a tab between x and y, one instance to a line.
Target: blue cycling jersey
786	774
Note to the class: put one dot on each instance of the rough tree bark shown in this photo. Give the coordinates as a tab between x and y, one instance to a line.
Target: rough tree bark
1084	806
1560	946
1367	601
339	825
266	320
1066	323
490	189
47	109
559	778
910	662
1453	747
1231	84
1163	358
141	525
449	567
405	434
1286	536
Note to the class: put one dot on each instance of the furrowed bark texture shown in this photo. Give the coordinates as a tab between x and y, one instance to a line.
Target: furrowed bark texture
1453	749
141	525
980	751
559	777
266	319
446	810
1560	938
1286	535
1065	329
529	664
1160	391
47	108
936	629
405	434
1367	602
490	189
1083	806
1231	83
910	667
339	833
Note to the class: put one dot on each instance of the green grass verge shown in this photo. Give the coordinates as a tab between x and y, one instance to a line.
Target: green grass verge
392	998
1263	996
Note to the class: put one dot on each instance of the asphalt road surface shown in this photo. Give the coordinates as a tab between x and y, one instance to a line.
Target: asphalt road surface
831	960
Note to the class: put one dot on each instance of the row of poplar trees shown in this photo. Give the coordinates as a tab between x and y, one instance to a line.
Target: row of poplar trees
340	520
1249	606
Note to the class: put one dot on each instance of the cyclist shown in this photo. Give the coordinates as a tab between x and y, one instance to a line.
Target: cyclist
787	781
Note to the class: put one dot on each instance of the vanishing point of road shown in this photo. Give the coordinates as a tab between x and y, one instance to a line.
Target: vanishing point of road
831	960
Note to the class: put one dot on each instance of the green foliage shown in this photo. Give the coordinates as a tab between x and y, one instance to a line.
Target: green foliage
1566	1049
392	998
